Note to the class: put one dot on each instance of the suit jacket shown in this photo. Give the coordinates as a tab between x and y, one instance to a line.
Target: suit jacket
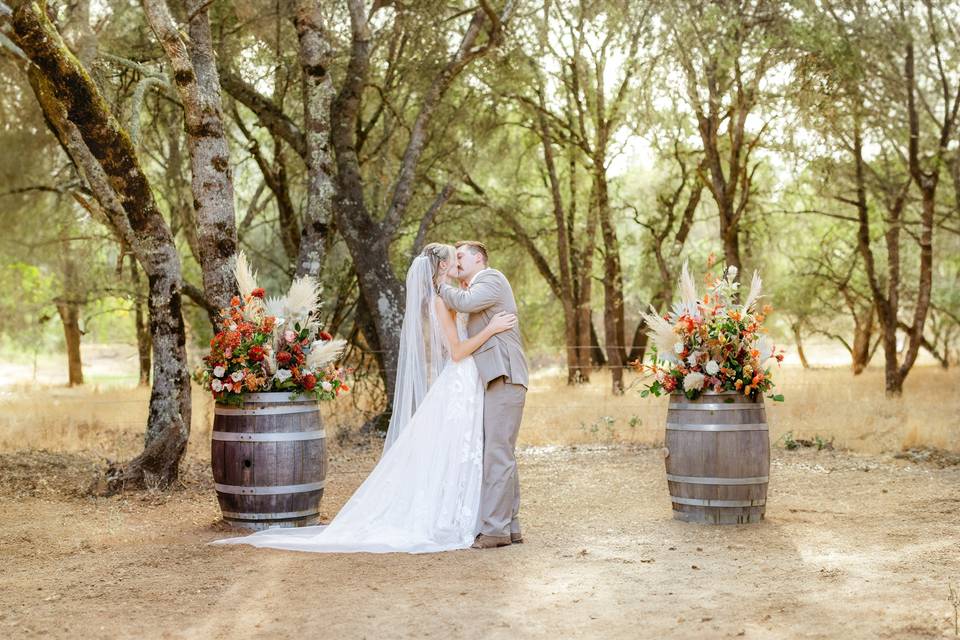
502	355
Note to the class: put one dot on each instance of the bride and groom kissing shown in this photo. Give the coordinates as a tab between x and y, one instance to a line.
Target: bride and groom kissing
447	478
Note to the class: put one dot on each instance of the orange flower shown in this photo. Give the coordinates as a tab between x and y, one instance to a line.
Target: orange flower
738	384
746	390
734	315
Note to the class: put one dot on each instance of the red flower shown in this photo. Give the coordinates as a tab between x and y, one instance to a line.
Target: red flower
256	353
284	358
325	336
309	381
258	293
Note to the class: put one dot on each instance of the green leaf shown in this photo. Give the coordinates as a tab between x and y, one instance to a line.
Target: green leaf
777	398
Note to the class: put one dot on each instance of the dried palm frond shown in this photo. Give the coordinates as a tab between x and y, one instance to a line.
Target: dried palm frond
246	278
276	307
661	332
765	346
323	353
302	298
689	300
756	286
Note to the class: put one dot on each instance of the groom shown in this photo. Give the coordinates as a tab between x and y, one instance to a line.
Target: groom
503	369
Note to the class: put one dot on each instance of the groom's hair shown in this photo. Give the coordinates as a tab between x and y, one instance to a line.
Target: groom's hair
475	248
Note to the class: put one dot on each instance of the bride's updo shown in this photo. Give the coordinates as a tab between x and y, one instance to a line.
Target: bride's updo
437	253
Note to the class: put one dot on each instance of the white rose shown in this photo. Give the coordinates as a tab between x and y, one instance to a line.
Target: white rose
732	271
233	326
219	370
693	382
326	386
678	347
661	375
237	376
693	358
712	367
289	336
228	386
216	385
283	374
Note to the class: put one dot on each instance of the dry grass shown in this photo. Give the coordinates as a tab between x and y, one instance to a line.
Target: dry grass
831	403
827	402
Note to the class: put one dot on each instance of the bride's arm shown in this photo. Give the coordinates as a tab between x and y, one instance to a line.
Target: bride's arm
460	349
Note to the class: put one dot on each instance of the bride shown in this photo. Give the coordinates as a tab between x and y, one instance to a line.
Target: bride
424	493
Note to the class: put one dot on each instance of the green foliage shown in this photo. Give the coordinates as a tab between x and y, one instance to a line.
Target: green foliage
796	229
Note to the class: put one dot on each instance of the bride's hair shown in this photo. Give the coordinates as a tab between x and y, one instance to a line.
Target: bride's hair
438	253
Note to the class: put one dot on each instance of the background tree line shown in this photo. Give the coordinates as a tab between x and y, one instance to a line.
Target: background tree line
594	145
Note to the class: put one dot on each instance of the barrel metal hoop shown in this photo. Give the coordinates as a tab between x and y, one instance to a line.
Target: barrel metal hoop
266	411
718	481
280	436
270	516
753	426
714	406
277	396
272	490
709	502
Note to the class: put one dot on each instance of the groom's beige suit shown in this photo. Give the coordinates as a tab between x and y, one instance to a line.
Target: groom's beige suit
503	369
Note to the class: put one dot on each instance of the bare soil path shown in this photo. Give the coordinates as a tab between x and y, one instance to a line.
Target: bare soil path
854	546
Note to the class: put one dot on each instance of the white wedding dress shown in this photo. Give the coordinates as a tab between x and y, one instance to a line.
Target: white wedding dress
424	493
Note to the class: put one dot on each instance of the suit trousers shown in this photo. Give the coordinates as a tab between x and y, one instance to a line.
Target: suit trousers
500	495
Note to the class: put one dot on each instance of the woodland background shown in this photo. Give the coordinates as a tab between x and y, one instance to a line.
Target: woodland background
593	145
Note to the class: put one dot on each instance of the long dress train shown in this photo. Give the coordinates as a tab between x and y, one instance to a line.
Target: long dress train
424	493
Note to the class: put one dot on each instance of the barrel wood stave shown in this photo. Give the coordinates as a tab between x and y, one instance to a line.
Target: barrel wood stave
278	467
719	458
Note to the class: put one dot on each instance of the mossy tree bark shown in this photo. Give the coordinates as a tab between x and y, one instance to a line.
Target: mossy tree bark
198	85
368	237
80	114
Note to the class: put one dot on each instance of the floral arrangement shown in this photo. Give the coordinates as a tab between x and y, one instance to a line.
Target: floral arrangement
711	343
271	344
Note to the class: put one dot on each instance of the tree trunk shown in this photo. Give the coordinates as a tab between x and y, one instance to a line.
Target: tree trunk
143	332
860	351
71	99
315	56
367	240
198	85
70	317
613	317
798	339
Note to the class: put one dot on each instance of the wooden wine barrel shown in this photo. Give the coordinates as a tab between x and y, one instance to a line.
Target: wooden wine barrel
269	460
717	458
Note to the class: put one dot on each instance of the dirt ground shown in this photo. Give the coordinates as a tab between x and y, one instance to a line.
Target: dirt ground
854	546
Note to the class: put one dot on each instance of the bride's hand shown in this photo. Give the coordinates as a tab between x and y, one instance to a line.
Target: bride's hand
503	321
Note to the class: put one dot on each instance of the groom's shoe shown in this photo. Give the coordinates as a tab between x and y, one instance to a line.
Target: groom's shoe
484	541
515	536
